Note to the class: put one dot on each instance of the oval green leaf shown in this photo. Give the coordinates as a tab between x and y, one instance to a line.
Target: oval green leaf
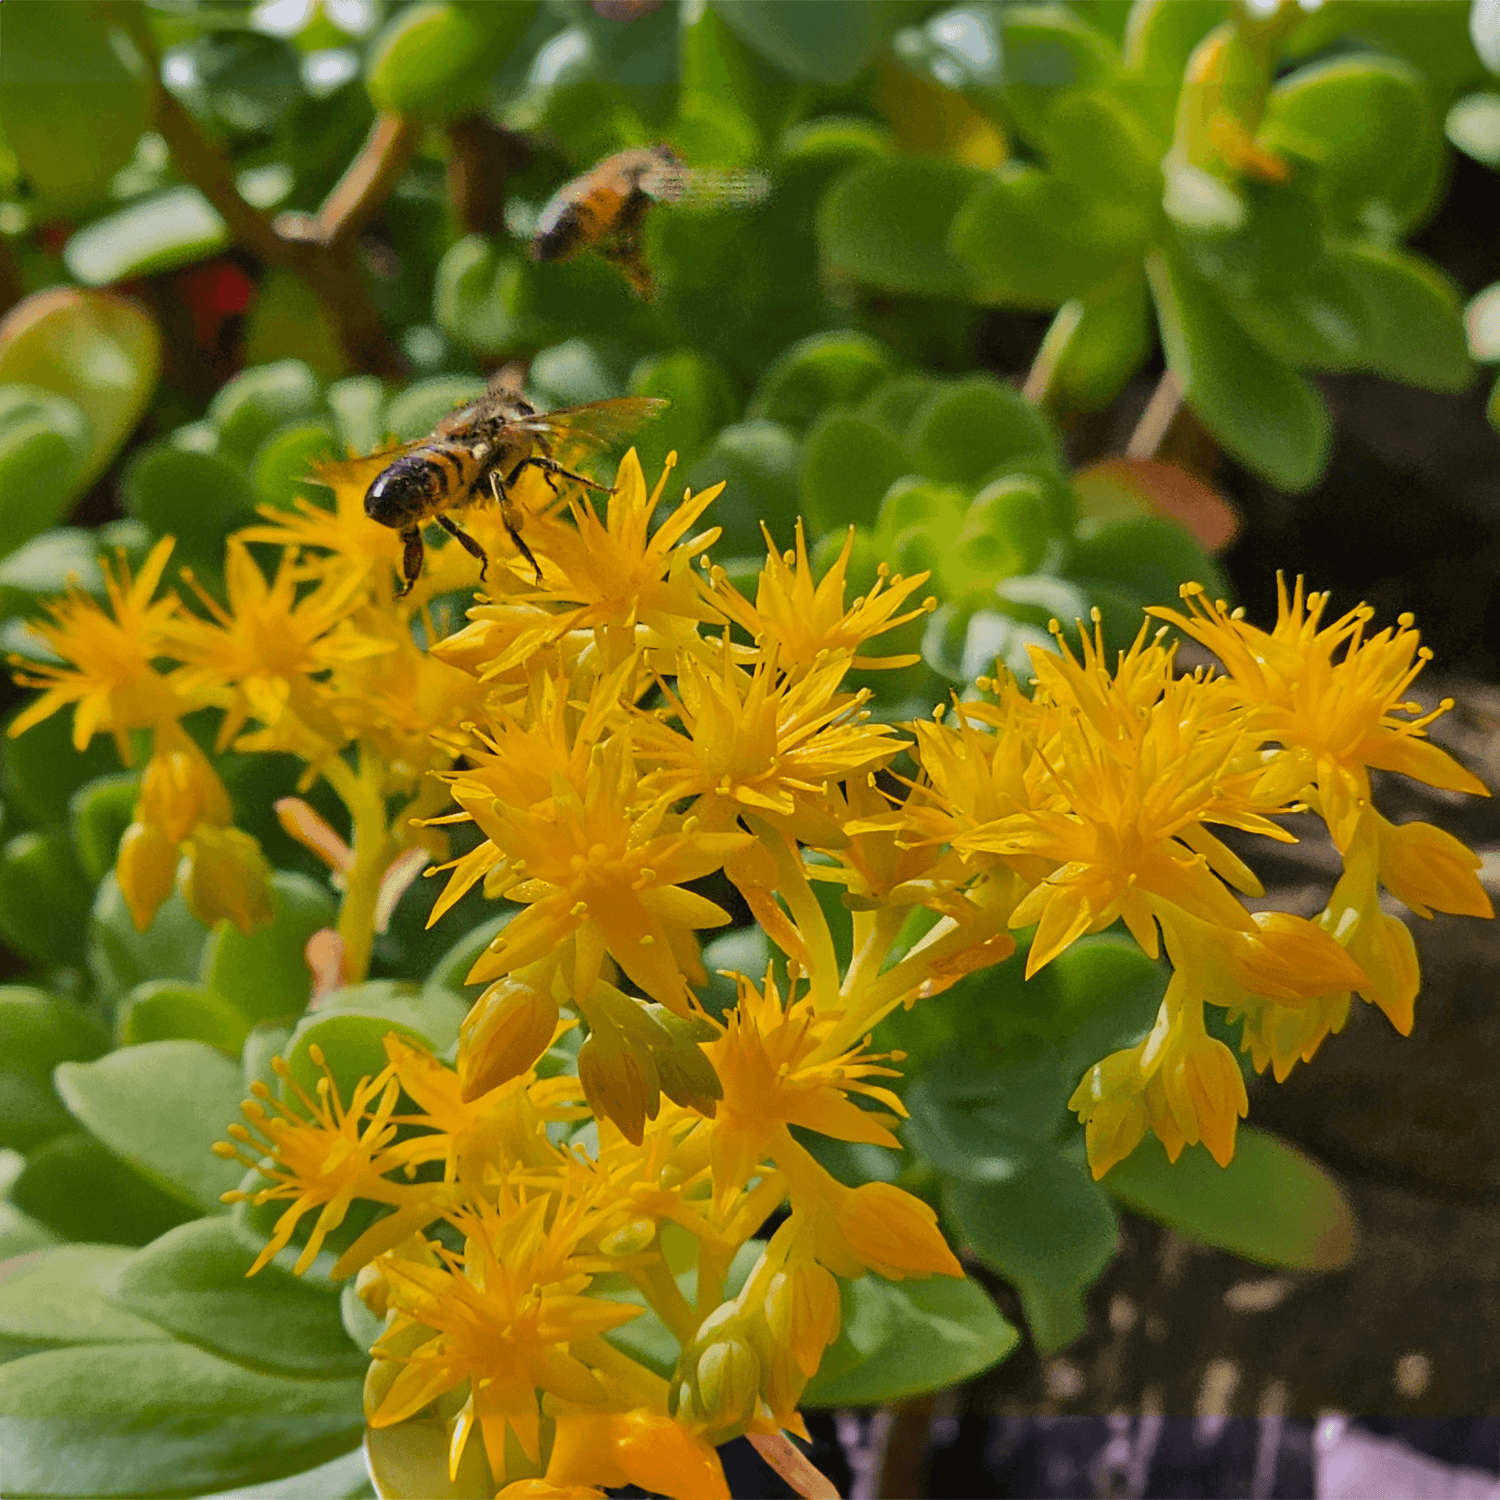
192	1283
908	1339
160	1107
70	107
79	1190
161	1010
1259	409
44	440
432	61
100	351
38	1031
120	958
885	223
163	1419
153	234
62	1296
1271	1204
265	974
44	897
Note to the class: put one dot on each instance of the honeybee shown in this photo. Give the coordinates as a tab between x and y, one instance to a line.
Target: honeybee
475	455
607	206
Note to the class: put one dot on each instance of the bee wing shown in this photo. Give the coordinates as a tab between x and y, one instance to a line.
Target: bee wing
359	467
597	424
711	187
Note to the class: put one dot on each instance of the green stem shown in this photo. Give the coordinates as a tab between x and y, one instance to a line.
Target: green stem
796	890
373	849
659	1287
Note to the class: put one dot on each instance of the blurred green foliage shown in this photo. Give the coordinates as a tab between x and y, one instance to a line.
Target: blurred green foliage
1230	187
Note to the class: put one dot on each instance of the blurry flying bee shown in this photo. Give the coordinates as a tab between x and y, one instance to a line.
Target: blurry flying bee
476	454
606	207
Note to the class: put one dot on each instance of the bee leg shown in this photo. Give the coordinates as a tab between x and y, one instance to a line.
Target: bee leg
411	559
510	516
552	471
467	542
625	254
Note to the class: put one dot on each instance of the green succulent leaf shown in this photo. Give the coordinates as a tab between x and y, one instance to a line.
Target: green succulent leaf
1257	407
79	1190
433	59
1473	125
62	1296
886	224
822	370
154	234
248	409
70	107
38	1031
1415	331
814	41
1048	1229
165	1419
44	897
906	1339
192	1283
848	463
757	462
44	439
120	958
1271	1203
164	1010
99	351
264	974
160	1107
199	498
1367	125
976	425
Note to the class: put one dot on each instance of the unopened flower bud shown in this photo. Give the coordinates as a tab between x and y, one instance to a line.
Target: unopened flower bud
629	1239
728	1381
895	1233
688	1078
180	789
510	1026
225	876
803	1312
619	1081
145	867
371	1288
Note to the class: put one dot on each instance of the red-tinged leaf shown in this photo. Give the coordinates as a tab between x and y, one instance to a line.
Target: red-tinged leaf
1117	486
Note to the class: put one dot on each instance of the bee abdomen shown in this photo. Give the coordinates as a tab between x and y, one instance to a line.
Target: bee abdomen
411	489
562	229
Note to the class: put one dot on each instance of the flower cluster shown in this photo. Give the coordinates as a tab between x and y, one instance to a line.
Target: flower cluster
642	748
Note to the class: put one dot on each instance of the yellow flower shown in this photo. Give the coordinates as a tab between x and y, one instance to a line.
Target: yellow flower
1186	1085
643	1448
616	577
1125	792
762	742
601	871
1330	697
501	1316
325	1157
776	1070
269	641
804	621
183	815
108	654
507	1029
